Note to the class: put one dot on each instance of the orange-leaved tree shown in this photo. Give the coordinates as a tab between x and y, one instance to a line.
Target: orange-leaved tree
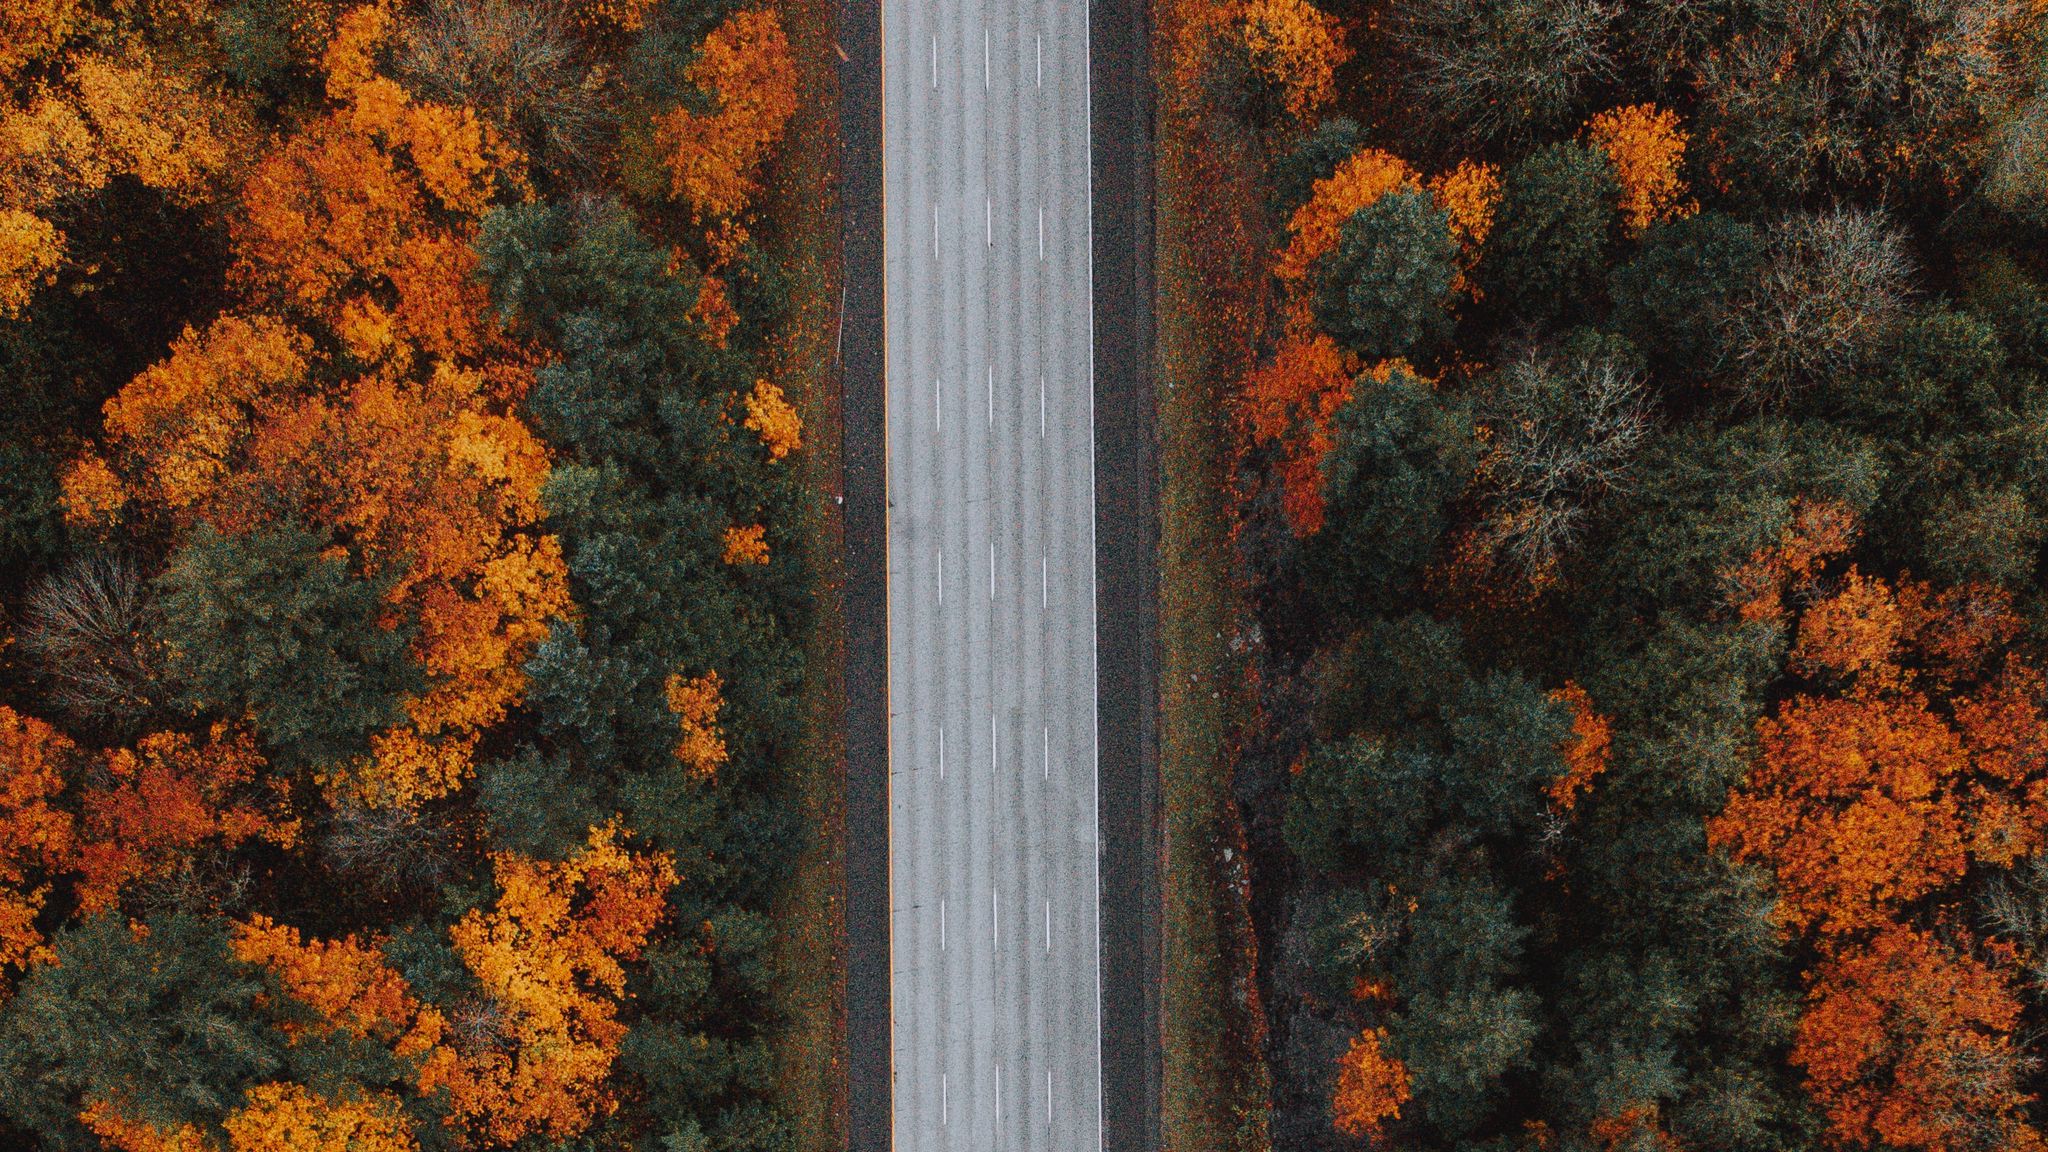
1585	753
285	1117
403	443
110	109
1363	177
746	68
1647	148
1912	755
1371	1086
1290	402
348	984
1295	49
1908	1042
548	957
1469	194
118	1129
774	419
103	821
531	1055
35	834
167	798
1867	797
696	700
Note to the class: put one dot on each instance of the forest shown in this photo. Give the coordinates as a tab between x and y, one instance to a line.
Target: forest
401	585
1637	498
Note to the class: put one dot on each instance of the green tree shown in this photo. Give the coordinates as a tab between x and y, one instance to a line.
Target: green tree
1315	158
1385	290
268	624
1403	454
1673	299
537	805
652	467
1464	1021
162	1023
1547	255
1989	533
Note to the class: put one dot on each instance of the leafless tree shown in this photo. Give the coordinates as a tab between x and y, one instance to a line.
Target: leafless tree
393	848
1986	1073
1504	66
514	64
478	1025
211	885
2015	909
1562	432
92	627
1804	91
2016	166
1832	286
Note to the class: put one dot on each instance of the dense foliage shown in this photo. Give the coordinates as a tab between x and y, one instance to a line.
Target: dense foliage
400	602
1643	519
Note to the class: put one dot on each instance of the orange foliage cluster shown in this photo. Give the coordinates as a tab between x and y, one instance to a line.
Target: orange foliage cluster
289	1118
32	31
746	66
774	420
1815	531
35	836
349	984
1469	194
1371	1086
407	448
165	799
1854	804
714	311
1295	48
548	957
606	15
1291	402
142	814
278	1117
1636	1126
112	1124
746	544
1869	798
119	114
534	1058
1647	148
1312	231
1907	1042
695	702
1585	753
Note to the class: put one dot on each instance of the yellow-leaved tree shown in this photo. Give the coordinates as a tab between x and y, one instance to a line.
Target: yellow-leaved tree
403	445
112	108
713	158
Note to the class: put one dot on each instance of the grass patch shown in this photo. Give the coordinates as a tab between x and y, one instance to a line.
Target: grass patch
802	208
1210	246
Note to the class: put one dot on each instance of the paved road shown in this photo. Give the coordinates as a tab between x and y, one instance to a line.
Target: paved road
995	972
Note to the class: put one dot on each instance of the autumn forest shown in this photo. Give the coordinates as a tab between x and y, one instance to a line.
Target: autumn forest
1603	491
401	657
1636	515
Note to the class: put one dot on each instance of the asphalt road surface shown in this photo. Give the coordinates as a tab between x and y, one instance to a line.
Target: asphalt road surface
994	917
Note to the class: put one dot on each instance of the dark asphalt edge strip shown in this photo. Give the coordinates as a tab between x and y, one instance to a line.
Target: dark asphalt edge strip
862	455
1126	561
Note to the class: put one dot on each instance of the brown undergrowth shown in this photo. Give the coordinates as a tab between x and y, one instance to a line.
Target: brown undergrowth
802	202
1211	306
